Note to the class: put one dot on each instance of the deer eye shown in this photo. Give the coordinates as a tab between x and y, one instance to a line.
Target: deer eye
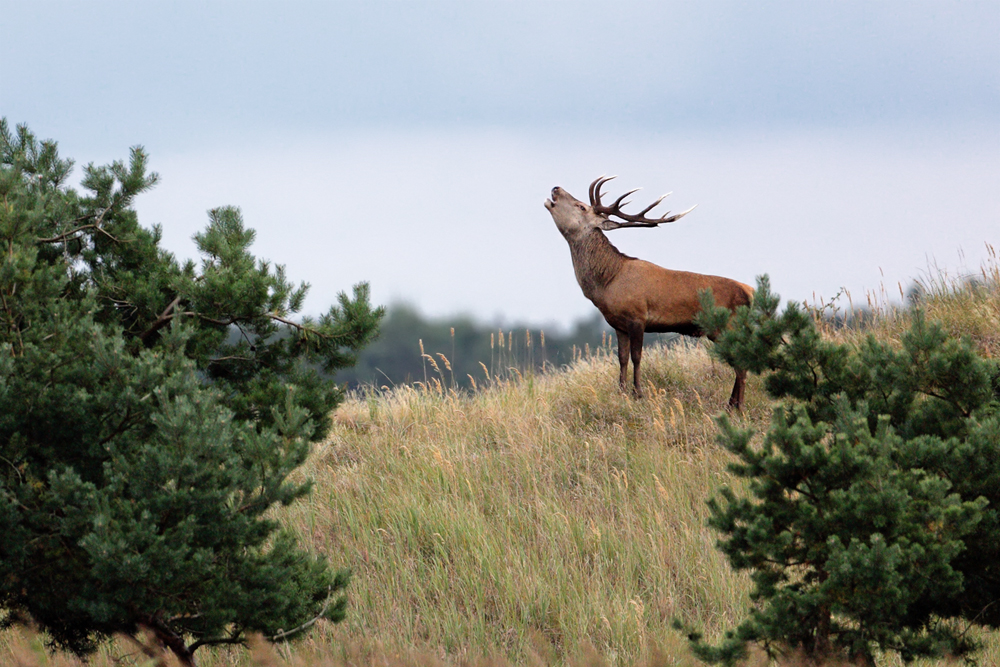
581	207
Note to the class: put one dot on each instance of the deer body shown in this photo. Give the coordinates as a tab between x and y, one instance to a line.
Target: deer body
634	295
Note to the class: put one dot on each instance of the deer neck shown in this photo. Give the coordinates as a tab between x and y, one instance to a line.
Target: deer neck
595	261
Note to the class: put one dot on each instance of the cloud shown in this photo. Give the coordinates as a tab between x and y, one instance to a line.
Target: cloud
194	72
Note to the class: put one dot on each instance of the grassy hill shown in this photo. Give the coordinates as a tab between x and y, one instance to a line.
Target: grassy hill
544	511
542	518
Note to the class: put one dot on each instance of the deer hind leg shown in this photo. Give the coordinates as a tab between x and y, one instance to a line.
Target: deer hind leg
635	343
736	400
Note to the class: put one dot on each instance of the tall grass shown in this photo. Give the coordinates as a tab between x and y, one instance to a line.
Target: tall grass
967	305
548	507
543	518
551	510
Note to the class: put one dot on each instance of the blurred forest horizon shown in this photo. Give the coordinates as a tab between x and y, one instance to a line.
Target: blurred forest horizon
460	351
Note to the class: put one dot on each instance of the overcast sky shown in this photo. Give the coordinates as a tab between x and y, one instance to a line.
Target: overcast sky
411	144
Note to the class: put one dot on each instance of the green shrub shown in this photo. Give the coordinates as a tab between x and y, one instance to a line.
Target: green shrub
872	522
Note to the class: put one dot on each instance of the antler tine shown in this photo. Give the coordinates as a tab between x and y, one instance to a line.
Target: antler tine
664	219
654	205
618	202
678	216
595	190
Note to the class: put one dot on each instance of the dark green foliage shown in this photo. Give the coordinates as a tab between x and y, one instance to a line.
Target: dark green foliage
141	445
871	518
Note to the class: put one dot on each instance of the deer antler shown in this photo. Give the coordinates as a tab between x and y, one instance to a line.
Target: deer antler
631	220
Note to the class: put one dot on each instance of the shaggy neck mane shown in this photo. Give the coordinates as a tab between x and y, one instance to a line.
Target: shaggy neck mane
602	260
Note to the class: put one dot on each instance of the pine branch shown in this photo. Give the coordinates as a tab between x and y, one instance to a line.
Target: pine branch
296	325
217	641
121	428
161	321
96	225
239	638
166	316
69	234
217	360
308	624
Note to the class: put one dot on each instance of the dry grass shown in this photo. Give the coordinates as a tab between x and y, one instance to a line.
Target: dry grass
542	519
545	508
966	305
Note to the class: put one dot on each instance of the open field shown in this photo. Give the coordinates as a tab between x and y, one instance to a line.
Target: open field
541	519
548	509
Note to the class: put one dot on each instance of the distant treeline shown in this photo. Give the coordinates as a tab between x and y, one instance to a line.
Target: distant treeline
457	349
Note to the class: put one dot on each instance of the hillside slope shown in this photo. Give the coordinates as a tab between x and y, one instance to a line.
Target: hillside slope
543	518
548	510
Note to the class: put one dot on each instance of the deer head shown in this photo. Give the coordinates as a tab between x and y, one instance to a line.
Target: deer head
572	216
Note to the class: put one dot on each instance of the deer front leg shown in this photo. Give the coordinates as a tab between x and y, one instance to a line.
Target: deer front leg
635	343
623	353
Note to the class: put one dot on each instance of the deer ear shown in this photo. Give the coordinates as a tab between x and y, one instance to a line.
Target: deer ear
607	224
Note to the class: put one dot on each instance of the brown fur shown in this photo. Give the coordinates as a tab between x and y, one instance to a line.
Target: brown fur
636	296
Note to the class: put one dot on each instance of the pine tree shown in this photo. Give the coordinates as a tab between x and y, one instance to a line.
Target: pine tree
871	515
151	413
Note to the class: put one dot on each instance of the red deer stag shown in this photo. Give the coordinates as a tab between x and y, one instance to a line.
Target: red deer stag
636	296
